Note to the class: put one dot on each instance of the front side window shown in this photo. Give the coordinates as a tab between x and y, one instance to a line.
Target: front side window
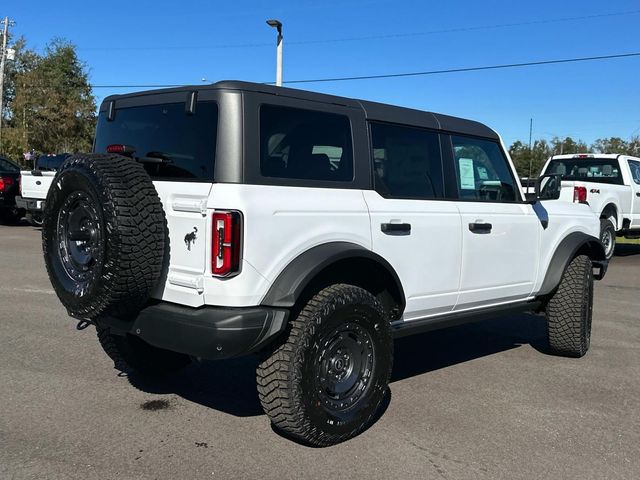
171	144
305	144
407	162
635	171
483	171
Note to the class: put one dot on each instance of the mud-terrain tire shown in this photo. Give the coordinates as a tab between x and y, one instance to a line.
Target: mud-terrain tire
570	310
325	383
131	354
104	234
608	237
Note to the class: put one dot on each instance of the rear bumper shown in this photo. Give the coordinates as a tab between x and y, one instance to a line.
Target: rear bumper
205	332
30	204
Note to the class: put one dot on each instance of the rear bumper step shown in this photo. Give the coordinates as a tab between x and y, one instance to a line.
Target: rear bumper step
205	332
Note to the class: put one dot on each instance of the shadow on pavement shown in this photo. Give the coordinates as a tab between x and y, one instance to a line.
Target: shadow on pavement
627	249
230	386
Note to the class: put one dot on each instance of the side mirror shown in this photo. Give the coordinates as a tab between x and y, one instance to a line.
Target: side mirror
548	187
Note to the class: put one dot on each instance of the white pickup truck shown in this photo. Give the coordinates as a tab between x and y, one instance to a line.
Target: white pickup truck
609	184
34	185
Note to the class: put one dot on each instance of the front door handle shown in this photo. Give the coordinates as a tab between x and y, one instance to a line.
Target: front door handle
480	227
396	228
637	194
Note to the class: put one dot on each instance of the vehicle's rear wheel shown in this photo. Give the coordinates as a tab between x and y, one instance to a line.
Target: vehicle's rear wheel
608	237
570	310
325	383
104	236
131	354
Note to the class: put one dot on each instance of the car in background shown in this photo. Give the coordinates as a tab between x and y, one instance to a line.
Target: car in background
9	188
35	185
609	184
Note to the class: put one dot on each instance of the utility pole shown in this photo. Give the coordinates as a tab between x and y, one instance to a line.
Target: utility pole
5	32
530	152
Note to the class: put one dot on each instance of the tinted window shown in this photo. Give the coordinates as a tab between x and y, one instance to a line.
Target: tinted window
483	171
635	171
7	166
407	162
171	143
601	170
51	162
305	144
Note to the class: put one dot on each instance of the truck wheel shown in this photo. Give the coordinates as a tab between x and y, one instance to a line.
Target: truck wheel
608	237
570	310
129	353
104	234
325	383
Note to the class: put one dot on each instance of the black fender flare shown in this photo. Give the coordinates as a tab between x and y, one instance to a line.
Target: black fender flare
566	252
290	283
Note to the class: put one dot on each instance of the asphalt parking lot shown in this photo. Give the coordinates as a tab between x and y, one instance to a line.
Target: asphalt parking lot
479	401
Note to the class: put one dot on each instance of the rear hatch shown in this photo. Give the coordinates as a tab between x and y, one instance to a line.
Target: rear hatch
177	149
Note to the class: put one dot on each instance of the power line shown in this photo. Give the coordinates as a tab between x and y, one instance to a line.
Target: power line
400	75
468	69
369	37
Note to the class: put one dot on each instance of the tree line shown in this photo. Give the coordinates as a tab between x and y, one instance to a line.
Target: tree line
48	104
541	150
49	107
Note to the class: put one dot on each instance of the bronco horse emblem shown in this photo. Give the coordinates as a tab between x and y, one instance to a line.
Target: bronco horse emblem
190	238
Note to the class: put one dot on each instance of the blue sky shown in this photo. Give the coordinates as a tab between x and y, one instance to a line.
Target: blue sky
158	42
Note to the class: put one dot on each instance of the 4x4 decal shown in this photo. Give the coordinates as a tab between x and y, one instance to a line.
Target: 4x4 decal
190	238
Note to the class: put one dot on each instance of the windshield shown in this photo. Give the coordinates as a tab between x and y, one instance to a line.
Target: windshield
600	170
170	143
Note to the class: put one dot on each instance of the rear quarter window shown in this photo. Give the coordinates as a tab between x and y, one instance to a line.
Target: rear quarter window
171	144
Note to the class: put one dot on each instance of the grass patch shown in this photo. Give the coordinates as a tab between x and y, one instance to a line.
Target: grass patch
627	241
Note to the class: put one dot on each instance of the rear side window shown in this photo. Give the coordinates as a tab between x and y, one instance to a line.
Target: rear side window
305	144
171	144
483	171
407	162
635	171
599	170
7	166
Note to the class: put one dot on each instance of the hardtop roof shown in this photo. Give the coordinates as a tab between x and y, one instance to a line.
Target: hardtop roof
372	110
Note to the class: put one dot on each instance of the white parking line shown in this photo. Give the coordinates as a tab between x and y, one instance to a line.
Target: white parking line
27	290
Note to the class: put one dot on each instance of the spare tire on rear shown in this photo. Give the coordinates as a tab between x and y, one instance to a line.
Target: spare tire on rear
104	236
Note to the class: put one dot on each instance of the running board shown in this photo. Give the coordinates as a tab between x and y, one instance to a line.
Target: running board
403	328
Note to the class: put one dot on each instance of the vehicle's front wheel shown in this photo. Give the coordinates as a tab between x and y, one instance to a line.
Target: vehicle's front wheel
608	237
325	383
570	310
130	354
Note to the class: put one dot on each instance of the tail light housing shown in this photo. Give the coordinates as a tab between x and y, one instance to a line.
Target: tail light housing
5	183
226	243
580	194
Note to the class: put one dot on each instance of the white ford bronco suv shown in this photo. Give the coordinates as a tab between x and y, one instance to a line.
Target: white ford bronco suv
609	184
217	221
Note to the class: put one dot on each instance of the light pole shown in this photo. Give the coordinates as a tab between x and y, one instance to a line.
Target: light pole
6	23
278	25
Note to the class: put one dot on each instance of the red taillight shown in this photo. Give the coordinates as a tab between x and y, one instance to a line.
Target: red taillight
120	149
580	194
5	183
226	243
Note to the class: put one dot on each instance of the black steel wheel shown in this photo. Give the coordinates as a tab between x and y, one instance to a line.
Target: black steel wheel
325	383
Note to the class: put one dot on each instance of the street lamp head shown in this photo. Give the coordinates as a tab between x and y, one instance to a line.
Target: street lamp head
275	24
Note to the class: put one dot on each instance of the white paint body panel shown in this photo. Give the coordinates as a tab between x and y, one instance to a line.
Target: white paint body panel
427	260
35	186
441	264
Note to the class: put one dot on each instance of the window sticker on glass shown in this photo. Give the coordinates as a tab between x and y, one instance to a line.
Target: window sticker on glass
482	173
467	175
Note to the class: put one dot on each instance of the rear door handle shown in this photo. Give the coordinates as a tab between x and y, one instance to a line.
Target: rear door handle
396	228
480	227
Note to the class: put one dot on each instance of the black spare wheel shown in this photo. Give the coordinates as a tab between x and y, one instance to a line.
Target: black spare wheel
104	234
